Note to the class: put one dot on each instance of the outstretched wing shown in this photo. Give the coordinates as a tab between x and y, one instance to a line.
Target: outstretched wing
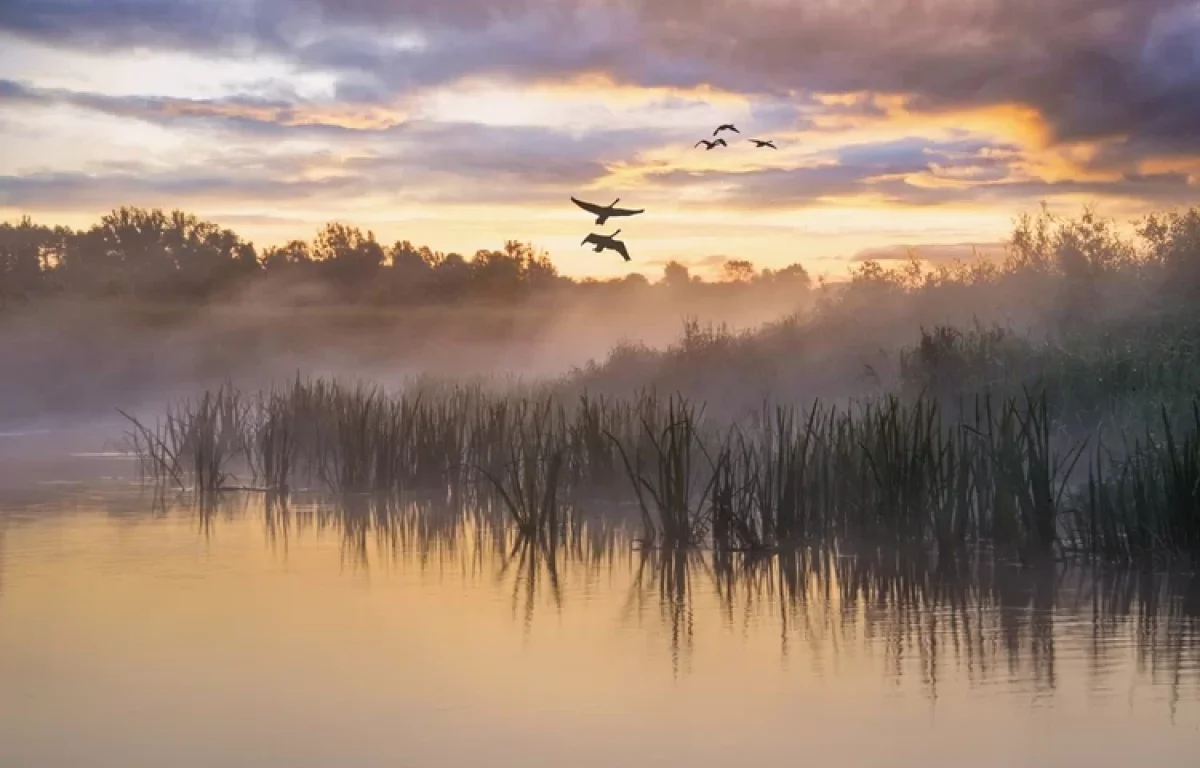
620	248
625	211
698	143
592	238
589	207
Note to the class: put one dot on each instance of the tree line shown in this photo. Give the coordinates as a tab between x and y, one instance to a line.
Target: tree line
157	255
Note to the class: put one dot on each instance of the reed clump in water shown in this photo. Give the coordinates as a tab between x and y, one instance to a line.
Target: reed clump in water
196	440
1148	502
664	470
530	482
994	472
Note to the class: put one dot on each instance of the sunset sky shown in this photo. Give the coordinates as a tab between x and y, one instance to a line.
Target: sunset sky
462	123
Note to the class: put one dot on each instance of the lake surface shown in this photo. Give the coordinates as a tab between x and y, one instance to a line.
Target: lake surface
318	635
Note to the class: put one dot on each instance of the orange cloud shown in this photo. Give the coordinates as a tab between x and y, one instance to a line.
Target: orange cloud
1189	165
899	112
875	116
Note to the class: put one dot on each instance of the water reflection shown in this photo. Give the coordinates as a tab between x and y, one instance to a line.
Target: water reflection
980	621
987	621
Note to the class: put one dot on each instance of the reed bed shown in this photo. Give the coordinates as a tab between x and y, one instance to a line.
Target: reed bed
993	472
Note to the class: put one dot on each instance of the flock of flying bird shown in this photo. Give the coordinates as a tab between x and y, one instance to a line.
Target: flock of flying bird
605	212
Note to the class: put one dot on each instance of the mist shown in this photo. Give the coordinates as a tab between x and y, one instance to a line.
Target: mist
70	361
350	308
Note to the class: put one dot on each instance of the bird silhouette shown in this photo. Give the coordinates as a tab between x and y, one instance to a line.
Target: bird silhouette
607	241
708	145
604	212
760	143
726	127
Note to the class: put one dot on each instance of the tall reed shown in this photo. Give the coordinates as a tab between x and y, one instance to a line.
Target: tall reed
993	473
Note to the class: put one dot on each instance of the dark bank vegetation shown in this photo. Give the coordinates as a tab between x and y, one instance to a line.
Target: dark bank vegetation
174	258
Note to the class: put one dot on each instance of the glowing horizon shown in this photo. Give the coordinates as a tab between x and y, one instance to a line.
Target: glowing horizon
459	127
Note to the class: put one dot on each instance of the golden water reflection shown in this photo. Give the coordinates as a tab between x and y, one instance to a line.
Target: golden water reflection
265	632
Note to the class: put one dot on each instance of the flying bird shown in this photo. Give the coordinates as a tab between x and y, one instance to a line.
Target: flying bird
726	127
708	145
760	143
607	241
603	213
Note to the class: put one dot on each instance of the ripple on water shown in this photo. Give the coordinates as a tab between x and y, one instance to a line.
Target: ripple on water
316	635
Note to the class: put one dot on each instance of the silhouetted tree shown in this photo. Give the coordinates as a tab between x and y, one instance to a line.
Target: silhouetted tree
676	275
25	253
792	276
738	270
158	255
154	254
350	258
1174	249
282	258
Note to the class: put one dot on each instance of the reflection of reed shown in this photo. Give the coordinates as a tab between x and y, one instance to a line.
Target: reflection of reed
534	559
985	618
664	576
982	619
421	530
530	556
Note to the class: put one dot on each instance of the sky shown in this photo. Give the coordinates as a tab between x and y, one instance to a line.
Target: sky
462	123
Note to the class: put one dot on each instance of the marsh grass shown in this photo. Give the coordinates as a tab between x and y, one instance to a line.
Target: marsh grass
531	480
996	472
1147	503
197	440
665	470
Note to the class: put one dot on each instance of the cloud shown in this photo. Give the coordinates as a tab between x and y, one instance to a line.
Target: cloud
915	172
933	253
880	170
68	191
244	113
1095	69
418	161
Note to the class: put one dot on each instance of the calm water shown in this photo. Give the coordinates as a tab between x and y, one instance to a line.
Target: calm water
131	636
